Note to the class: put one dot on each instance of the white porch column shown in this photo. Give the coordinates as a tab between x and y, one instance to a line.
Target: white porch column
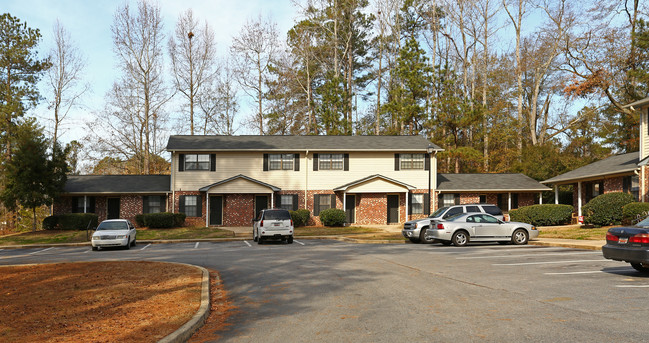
407	205
85	203
207	209
540	198
556	194
579	198
509	201
345	201
272	197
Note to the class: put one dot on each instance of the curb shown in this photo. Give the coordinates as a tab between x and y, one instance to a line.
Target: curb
566	245
188	329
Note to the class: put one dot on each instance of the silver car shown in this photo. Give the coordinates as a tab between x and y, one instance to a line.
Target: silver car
460	229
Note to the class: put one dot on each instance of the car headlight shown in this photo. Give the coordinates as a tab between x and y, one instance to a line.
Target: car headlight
95	238
120	236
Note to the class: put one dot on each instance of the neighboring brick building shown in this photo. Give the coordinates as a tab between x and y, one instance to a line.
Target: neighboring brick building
225	180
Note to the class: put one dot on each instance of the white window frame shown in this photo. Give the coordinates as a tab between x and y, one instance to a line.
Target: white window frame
194	207
331	161
417	205
197	162
412	161
280	161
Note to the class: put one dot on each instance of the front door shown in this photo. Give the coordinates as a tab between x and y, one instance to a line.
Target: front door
216	210
112	212
393	209
350	208
261	203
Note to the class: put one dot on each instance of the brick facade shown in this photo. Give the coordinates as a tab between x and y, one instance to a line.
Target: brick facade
238	209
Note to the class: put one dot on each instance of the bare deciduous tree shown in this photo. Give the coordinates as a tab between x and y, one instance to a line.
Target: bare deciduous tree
254	48
64	78
193	59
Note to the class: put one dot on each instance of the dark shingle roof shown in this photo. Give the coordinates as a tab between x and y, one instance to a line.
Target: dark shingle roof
488	182
613	165
117	184
295	143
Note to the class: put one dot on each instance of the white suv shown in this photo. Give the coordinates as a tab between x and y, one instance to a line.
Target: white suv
415	230
273	224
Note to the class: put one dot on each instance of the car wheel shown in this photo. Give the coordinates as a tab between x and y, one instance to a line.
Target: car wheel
520	237
260	240
289	240
642	268
128	244
460	238
422	235
134	243
95	248
447	243
254	238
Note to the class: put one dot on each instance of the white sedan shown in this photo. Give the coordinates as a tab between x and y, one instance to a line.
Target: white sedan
479	227
114	233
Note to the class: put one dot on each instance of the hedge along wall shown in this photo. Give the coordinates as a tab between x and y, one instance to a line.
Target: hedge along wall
543	215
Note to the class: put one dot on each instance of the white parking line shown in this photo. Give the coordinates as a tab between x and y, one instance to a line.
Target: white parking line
549	262
146	246
632	286
36	252
248	244
298	242
196	245
531	255
87	251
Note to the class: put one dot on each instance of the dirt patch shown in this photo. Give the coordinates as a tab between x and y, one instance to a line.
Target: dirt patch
96	302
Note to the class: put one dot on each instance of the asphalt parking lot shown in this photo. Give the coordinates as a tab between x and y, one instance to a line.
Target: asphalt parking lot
330	291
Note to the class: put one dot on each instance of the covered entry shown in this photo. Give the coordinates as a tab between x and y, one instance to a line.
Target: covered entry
375	199
235	201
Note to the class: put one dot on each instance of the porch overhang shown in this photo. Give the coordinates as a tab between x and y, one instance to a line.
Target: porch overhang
375	184
240	184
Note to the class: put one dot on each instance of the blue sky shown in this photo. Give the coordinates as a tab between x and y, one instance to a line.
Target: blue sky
89	25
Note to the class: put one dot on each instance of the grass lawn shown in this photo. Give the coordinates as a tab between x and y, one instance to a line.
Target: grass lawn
573	232
70	236
323	231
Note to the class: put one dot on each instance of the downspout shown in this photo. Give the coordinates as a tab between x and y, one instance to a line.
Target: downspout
579	198
641	177
207	208
306	179
434	184
173	185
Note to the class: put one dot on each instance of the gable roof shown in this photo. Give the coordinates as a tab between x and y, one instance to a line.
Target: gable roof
638	104
240	176
118	184
372	177
488	182
617	164
299	143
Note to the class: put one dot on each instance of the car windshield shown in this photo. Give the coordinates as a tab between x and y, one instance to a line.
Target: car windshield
455	216
438	212
112	226
277	215
643	223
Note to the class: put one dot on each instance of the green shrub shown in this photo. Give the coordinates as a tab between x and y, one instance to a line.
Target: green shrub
50	223
606	209
300	217
631	213
332	217
543	215
179	219
76	221
139	220
159	220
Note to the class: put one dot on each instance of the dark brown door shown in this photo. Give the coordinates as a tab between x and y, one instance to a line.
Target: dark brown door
112	212
350	208
393	209
216	210
261	203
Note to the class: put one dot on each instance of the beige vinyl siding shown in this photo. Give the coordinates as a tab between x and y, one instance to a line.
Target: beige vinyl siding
644	135
240	186
377	186
361	165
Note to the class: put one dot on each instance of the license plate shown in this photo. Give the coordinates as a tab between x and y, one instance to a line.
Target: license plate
623	240
277	224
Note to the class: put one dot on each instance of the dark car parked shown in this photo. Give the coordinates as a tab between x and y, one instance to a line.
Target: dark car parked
629	244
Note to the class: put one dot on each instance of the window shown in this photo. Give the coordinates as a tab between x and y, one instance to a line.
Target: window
453	211
280	161
514	200
83	205
483	198
153	204
417	206
450	199
631	185
472	209
191	205
412	161
330	161
323	202
288	202
197	162
493	210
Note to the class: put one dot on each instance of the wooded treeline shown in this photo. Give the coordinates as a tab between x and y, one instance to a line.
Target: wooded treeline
531	86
